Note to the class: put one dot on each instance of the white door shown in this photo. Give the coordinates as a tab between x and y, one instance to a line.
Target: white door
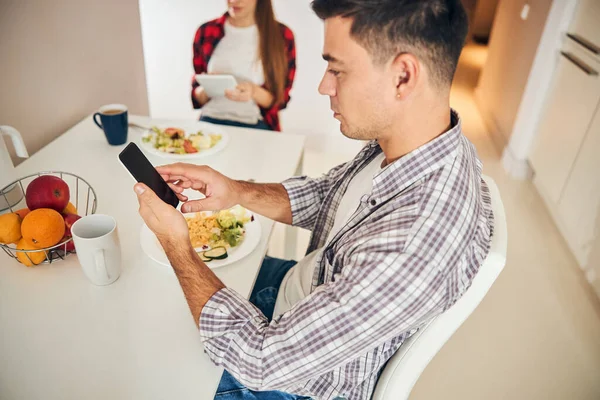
569	110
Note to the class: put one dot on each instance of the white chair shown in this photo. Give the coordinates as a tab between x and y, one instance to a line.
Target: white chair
404	368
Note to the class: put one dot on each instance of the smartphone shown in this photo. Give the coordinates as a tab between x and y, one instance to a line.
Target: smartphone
143	171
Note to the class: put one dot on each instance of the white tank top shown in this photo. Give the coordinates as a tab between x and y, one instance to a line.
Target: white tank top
237	55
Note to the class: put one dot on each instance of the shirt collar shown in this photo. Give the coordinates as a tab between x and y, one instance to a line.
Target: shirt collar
222	19
420	162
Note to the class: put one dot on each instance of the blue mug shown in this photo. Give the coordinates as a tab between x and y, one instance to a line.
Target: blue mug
114	123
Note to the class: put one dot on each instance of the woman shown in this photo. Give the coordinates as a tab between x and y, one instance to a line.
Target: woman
248	43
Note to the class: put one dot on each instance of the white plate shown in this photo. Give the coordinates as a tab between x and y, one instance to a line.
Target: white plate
190	127
154	250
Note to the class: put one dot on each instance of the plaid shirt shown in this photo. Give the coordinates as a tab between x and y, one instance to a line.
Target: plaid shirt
206	40
407	254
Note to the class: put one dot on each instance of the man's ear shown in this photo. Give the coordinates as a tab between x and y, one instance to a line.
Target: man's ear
406	71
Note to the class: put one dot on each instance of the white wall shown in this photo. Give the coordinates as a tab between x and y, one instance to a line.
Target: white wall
59	62
168	29
512	49
524	131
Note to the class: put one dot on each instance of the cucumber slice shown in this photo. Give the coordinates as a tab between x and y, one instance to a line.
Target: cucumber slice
218	253
203	257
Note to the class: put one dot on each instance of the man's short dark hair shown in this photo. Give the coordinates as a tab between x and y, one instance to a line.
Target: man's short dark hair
433	30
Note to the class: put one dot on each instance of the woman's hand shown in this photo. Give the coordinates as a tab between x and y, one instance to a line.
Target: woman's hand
243	92
201	96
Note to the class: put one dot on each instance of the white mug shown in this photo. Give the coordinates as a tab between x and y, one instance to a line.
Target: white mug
97	246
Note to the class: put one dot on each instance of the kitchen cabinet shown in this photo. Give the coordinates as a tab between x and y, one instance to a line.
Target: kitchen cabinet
580	203
566	154
570	107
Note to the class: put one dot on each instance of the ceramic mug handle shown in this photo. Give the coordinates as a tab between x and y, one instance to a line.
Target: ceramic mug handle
101	264
96	121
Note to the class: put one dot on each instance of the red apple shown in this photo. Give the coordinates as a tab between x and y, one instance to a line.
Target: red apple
70	246
69	221
47	191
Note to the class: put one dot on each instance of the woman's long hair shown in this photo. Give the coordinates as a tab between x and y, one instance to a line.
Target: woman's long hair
271	47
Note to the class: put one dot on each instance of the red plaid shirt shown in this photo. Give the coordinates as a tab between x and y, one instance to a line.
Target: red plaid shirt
208	37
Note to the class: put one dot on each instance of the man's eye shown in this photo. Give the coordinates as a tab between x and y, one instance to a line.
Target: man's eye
334	72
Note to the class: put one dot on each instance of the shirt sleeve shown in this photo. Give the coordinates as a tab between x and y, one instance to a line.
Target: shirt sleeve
379	295
199	62
307	194
290	43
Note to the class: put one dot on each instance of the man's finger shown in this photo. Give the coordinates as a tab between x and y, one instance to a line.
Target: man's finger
181	197
181	171
207	204
174	178
178	189
178	192
185	184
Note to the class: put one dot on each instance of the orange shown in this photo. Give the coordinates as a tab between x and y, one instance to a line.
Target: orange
22	212
29	259
10	228
43	227
70	209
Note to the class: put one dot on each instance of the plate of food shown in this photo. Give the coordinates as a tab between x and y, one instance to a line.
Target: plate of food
199	139
220	238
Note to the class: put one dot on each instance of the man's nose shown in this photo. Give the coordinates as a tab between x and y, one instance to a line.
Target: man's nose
327	85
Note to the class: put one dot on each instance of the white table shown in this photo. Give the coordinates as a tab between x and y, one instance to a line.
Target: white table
63	338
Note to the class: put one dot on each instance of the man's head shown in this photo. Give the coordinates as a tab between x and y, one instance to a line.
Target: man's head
386	55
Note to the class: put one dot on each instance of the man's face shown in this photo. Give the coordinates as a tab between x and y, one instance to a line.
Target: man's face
361	93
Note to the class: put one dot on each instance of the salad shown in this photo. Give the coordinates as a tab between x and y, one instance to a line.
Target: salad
214	234
176	141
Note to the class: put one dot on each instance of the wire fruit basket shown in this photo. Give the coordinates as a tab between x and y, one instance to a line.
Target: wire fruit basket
12	198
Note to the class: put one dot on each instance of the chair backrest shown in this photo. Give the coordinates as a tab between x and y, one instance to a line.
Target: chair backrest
404	368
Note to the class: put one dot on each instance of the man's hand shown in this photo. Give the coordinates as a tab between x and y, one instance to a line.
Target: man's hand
198	282
268	199
166	222
221	192
243	92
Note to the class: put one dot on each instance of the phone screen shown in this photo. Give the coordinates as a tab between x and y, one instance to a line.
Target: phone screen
143	171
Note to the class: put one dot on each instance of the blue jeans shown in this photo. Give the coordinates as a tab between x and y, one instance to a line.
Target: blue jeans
259	125
263	296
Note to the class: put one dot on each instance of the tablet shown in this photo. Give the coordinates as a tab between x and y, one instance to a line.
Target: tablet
215	85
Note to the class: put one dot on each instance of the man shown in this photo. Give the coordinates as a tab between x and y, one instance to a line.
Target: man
399	232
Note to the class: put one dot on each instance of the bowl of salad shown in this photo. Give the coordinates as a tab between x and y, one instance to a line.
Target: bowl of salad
197	140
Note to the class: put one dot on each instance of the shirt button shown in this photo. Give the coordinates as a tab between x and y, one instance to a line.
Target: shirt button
373	202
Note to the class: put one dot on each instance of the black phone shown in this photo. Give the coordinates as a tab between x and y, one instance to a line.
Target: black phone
143	171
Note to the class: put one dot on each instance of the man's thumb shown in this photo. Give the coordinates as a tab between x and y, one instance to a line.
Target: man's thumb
144	193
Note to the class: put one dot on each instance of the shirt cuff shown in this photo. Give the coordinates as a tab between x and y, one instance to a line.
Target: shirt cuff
293	187
225	311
